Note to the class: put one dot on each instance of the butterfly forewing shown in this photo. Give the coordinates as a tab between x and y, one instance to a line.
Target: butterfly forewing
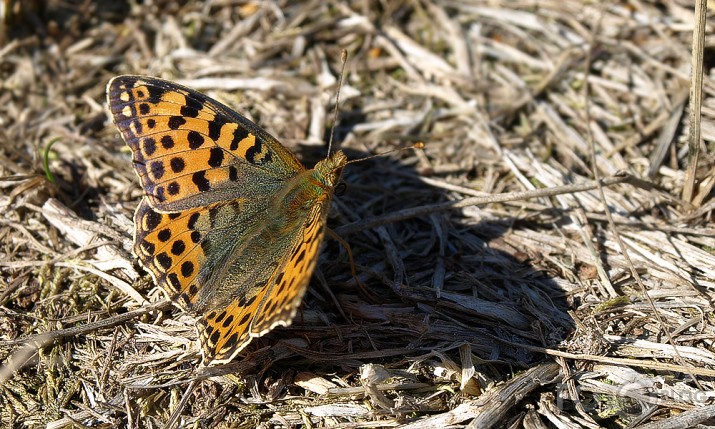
191	151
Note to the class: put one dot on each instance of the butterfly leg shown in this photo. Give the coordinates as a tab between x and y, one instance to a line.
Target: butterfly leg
363	289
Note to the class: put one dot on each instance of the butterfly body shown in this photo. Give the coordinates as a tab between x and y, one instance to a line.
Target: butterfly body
231	222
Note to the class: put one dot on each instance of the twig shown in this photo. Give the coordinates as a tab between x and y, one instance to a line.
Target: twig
421	211
35	342
696	98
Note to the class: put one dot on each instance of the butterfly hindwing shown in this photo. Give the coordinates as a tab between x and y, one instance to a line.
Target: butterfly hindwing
182	249
227	331
291	281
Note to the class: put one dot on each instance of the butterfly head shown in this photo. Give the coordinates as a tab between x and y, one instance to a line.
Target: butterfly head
328	171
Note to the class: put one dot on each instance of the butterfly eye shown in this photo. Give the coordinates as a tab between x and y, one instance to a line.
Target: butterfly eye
340	188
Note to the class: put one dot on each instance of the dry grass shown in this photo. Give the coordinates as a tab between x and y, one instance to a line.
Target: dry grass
520	313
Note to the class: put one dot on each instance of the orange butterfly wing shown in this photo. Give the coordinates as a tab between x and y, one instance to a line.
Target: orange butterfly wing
190	150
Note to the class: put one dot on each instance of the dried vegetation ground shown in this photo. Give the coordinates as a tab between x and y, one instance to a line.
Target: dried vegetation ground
537	312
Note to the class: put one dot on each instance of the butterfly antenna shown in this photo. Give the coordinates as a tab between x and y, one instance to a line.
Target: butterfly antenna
417	145
344	59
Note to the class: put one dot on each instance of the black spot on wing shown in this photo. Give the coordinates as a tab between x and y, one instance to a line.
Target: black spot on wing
256	155
191	108
201	182
177	164
164	235
178	247
173	188
239	134
192	221
187	268
148	247
231	342
149	145
216	157
215	127
195	139
300	257
176	121
153	96
159	194
226	323
157	169
151	219
164	260
244	319
138	126
167	142
174	281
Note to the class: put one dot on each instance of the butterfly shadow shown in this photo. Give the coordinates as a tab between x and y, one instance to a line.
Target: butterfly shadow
426	286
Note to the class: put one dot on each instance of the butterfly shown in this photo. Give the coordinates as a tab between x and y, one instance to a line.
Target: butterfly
231	223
